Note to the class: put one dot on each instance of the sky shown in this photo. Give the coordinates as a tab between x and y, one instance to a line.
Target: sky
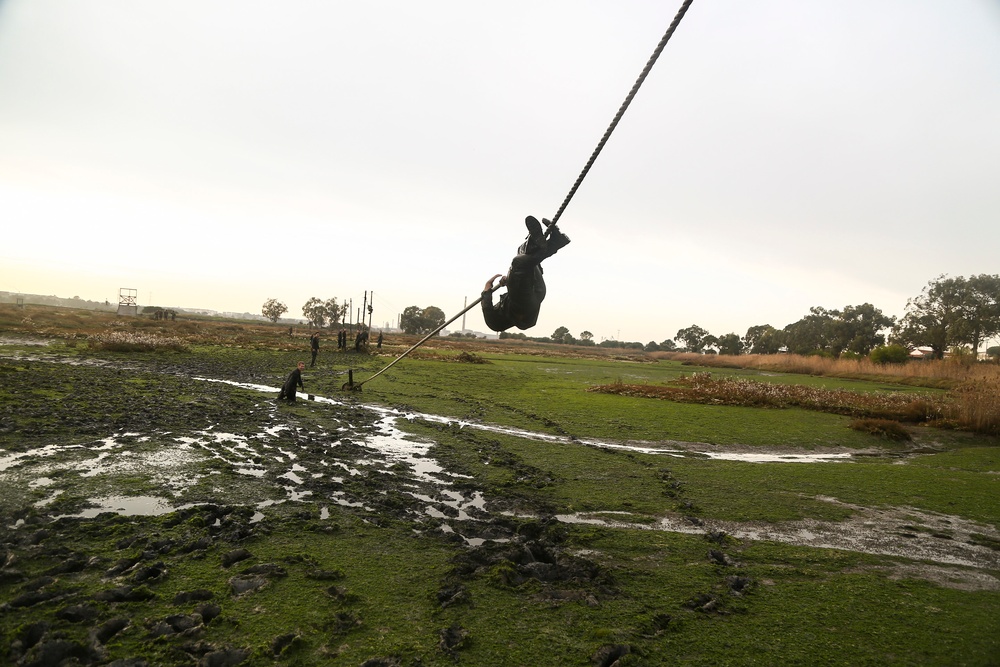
780	155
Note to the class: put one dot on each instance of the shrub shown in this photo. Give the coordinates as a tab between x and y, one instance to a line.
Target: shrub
962	355
883	428
470	358
702	388
976	406
889	354
125	341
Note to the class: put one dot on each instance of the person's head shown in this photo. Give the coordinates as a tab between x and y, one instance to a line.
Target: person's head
302	365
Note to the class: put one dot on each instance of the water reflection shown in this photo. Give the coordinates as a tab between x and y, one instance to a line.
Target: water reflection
390	443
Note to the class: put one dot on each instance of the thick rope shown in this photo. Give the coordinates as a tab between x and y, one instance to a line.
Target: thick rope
579	179
423	340
621	111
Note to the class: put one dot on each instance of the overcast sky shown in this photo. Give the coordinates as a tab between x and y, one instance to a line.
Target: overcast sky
782	154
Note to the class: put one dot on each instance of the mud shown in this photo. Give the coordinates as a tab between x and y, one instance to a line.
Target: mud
358	457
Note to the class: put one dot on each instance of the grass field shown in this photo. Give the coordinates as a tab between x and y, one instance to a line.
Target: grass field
493	513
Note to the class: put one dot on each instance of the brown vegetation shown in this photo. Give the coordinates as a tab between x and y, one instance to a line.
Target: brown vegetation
883	428
471	358
973	402
976	405
135	341
973	406
703	388
941	374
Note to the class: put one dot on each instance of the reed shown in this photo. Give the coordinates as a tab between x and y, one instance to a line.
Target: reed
976	405
134	341
703	388
941	374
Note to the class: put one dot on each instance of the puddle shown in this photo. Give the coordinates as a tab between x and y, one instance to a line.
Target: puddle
302	471
27	342
45	502
900	531
669	448
125	505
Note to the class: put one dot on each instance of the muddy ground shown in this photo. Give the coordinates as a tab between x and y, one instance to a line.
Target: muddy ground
116	472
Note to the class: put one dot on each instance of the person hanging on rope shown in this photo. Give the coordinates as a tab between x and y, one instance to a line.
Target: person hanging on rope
525	286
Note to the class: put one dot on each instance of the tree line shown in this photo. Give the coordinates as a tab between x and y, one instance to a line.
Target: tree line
317	312
950	313
320	313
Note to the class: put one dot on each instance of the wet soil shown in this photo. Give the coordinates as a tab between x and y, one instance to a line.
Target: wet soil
168	416
200	445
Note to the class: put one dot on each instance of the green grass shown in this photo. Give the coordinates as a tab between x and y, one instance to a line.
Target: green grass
550	395
801	605
569	478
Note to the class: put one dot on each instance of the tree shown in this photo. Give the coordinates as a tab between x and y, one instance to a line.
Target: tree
937	318
763	339
730	344
693	338
668	345
314	311
858	329
979	310
410	321
273	309
889	354
415	320
586	335
334	312
812	333
559	335
433	317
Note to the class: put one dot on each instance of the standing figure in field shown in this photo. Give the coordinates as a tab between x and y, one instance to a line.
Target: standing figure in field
378	343
525	286
294	379
314	345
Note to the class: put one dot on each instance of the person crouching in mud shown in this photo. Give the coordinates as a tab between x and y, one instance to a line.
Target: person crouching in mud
525	286
294	378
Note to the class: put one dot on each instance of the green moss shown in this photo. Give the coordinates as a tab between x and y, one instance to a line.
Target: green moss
364	583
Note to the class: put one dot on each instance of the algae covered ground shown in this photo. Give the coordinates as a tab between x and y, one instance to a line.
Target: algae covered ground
161	508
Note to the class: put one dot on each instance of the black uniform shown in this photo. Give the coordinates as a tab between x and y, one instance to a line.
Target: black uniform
288	389
525	285
315	348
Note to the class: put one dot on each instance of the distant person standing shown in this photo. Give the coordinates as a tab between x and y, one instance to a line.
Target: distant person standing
378	342
314	345
294	379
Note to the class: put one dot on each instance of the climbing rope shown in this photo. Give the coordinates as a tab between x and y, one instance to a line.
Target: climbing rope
357	385
621	111
579	179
